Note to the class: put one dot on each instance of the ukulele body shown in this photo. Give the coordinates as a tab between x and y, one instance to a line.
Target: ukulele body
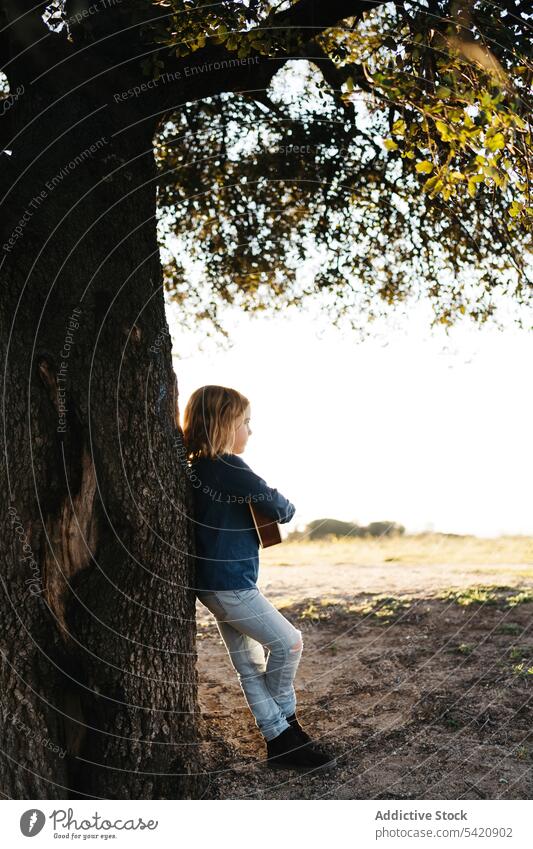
267	528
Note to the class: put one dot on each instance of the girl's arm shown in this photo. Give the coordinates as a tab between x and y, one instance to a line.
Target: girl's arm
237	478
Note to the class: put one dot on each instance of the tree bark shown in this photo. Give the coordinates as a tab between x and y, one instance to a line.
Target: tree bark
98	669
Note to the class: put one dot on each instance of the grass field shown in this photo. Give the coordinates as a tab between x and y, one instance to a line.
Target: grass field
415	548
417	670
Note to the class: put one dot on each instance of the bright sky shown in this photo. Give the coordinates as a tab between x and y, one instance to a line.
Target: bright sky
410	426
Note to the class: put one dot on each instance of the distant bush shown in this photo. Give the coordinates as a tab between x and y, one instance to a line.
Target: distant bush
385	529
321	528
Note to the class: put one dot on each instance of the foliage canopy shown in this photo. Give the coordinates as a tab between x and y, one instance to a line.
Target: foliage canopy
361	153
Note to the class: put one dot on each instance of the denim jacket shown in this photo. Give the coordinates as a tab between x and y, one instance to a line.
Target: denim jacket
227	546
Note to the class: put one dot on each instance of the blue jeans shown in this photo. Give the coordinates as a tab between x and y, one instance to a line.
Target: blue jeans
248	623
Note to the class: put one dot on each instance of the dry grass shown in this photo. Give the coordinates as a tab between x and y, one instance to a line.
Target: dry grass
414	549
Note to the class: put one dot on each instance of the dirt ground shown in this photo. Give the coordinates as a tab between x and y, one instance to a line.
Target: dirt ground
418	677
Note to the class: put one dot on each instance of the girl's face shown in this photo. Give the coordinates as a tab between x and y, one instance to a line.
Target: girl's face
242	432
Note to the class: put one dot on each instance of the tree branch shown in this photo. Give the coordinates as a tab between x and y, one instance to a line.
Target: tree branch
305	15
111	48
214	70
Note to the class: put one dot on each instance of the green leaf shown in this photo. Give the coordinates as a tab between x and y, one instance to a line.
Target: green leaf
399	127
433	185
445	131
497	142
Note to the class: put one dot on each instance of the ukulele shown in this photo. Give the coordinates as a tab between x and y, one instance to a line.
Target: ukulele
267	528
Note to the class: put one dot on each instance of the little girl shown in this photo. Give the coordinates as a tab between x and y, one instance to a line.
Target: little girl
216	427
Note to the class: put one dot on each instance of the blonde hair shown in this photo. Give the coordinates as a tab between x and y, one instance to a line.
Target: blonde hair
209	420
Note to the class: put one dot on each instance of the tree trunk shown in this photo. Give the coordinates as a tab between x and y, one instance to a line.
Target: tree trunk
98	621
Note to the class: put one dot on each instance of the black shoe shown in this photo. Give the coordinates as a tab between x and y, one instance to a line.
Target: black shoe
288	750
297	727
